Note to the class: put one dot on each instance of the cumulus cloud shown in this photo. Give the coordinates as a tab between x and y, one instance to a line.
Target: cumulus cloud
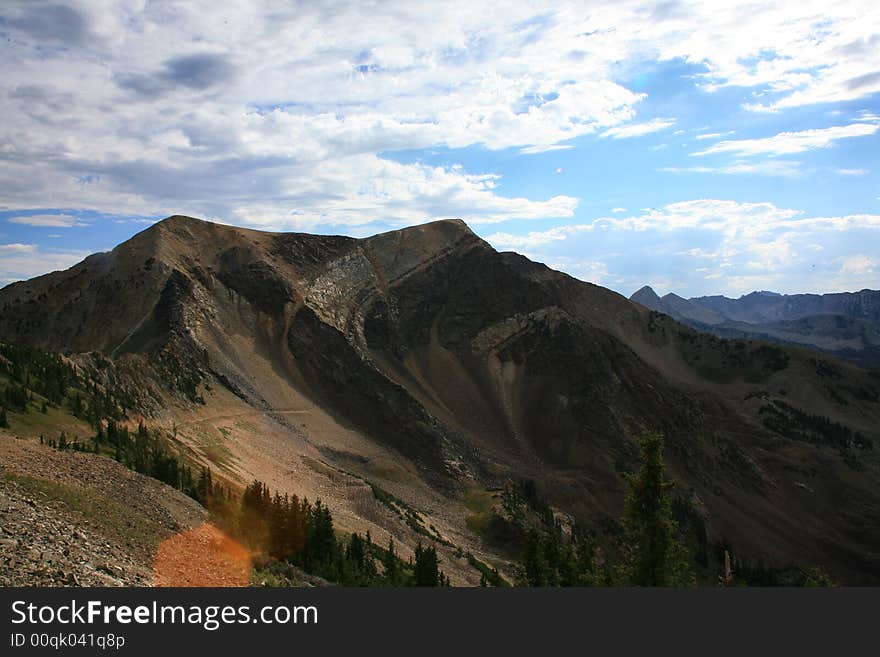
532	240
281	115
716	246
859	264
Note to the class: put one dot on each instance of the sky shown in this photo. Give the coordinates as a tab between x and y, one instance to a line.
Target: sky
700	148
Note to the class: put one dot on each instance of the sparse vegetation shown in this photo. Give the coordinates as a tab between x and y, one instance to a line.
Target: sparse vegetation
795	424
147	452
293	530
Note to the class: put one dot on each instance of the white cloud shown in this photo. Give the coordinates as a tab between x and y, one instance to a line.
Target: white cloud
740	244
532	150
859	264
46	220
17	248
638	129
784	168
618	210
22	261
594	271
359	189
786	143
276	115
534	239
852	172
713	135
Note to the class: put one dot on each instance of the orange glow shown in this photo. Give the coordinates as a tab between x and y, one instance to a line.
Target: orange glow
204	556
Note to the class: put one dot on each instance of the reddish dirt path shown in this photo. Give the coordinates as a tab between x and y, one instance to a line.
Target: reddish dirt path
204	556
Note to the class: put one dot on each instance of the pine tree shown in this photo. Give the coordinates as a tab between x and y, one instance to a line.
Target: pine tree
536	568
654	556
321	538
425	571
392	573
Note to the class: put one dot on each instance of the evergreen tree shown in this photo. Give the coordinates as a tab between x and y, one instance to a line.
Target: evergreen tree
654	556
321	546
537	570
392	570
425	571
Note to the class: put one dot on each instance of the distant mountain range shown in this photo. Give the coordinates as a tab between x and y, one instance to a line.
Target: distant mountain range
846	324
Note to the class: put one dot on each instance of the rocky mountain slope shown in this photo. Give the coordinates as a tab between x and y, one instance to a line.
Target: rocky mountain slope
425	365
78	519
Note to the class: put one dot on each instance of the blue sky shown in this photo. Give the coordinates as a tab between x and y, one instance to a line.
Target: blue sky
700	148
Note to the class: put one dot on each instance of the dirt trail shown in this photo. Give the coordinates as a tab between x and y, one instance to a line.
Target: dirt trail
203	556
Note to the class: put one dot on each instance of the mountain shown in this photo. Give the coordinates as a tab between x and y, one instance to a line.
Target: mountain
647	297
405	377
677	307
762	307
845	324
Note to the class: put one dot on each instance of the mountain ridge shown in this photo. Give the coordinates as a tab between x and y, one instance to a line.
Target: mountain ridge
423	361
845	324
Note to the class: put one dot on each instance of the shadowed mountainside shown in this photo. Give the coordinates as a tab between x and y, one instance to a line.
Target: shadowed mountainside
426	361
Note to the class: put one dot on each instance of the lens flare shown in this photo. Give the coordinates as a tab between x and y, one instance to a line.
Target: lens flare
203	556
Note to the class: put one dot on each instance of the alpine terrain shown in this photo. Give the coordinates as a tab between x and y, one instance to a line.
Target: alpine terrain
408	380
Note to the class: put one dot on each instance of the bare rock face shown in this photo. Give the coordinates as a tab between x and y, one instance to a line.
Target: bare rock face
476	366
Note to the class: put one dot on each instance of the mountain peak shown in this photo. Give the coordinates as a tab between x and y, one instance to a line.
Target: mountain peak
181	219
450	227
178	222
645	293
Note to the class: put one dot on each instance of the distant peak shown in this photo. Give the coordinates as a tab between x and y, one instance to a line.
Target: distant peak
645	292
761	293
